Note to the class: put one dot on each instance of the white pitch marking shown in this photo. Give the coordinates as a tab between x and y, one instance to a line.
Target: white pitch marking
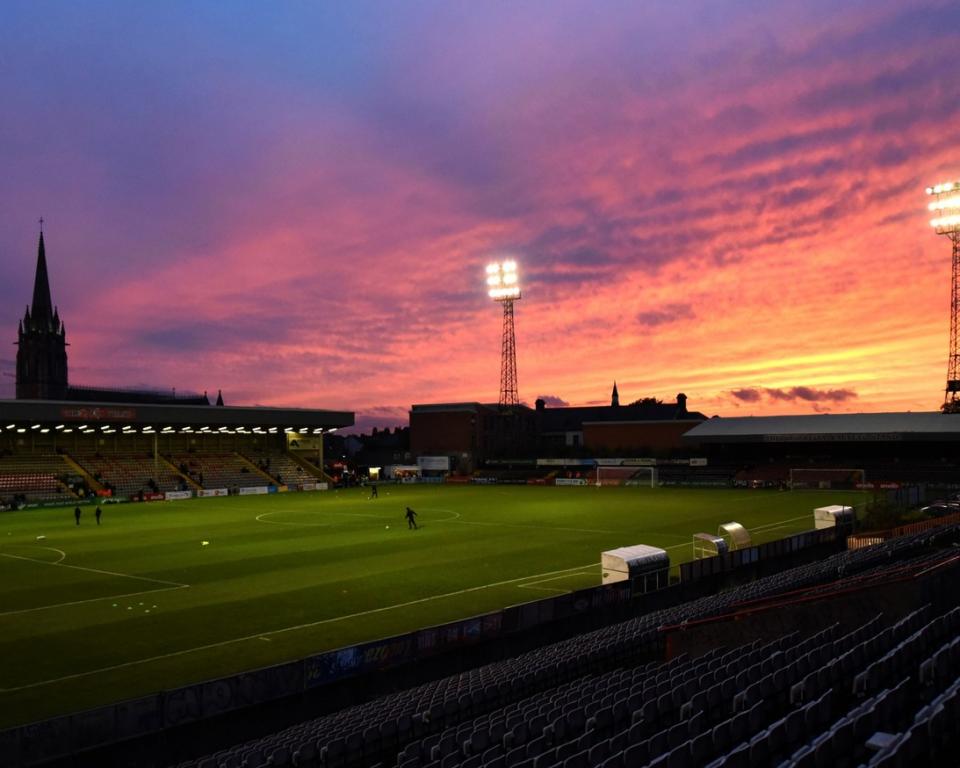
261	519
95	570
299	626
532	584
293	628
92	600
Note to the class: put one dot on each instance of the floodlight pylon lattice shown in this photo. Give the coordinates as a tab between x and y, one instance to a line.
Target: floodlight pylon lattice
504	287
946	205
508	359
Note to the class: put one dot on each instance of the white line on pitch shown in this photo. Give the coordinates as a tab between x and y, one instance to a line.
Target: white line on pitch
96	570
293	628
92	600
543	528
532	584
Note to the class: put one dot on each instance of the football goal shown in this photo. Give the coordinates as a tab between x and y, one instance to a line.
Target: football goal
827	477
633	476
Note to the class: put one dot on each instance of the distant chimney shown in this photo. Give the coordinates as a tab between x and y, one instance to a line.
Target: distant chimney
540	404
681	403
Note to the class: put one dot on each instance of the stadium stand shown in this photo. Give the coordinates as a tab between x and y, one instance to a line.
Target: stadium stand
218	470
35	477
875	693
127	474
279	465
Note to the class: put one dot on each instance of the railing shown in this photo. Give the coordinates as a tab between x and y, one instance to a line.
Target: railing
871	538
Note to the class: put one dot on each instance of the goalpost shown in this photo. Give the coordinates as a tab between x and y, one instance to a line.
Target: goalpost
632	476
827	478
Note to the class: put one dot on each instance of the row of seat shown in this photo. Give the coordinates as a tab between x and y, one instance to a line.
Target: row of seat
607	670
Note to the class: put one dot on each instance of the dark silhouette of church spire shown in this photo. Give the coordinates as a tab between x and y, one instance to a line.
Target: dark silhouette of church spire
42	308
41	341
615	398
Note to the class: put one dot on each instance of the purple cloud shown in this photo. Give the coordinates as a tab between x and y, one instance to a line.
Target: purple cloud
668	313
747	394
793	394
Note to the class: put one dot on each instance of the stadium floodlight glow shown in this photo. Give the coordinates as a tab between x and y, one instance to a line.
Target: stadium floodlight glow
68	431
44	430
59	426
35	426
503	283
21	430
82	426
11	426
946	202
105	427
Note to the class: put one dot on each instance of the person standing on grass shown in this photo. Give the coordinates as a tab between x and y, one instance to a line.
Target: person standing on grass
373	491
76	514
98	513
411	519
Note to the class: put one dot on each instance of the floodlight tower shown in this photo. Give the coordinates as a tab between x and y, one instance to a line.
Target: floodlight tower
504	286
946	208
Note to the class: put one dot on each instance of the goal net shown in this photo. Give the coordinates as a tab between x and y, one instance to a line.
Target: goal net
827	478
634	476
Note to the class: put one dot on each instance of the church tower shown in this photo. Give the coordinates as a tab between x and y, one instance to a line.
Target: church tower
615	397
42	343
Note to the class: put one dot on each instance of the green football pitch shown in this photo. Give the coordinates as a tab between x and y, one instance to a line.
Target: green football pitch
94	614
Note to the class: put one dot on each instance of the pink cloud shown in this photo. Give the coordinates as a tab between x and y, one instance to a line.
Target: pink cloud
744	207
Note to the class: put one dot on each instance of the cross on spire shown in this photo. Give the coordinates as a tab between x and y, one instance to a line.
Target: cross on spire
41	225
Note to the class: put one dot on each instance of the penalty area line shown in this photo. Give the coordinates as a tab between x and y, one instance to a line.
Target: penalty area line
91	600
59	564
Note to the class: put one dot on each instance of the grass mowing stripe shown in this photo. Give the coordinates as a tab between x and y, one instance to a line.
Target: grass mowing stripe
338	562
90	600
264	635
59	564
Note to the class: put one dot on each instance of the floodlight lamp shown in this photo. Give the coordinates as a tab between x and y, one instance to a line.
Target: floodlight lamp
946	223
947	203
11	426
59	426
44	430
944	203
21	430
502	281
35	426
505	293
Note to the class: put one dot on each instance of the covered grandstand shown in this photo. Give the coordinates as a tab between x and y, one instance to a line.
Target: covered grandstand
857	448
63	451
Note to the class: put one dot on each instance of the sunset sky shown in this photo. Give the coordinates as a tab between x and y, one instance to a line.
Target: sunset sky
295	202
